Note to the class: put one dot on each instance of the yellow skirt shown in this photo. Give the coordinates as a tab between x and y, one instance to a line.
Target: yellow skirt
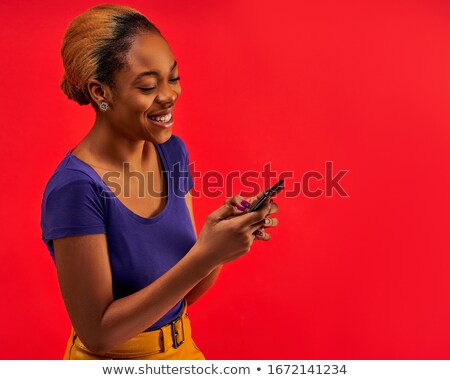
171	342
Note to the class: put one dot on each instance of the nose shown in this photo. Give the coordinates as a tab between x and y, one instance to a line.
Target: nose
166	94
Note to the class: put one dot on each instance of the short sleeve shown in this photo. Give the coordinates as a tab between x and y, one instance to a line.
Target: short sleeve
72	209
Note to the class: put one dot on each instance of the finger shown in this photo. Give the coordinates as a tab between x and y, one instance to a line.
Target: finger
267	221
273	209
260	234
239	203
223	212
232	207
250	218
270	222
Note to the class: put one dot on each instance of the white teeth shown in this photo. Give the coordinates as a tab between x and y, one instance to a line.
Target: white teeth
163	119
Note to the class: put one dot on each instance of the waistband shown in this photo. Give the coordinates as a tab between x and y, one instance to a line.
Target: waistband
169	336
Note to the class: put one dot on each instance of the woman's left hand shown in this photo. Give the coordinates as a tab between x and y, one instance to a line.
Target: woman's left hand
269	222
242	205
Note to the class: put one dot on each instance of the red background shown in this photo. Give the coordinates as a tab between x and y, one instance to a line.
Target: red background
364	84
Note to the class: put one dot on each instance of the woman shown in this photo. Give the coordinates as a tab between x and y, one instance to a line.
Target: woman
129	262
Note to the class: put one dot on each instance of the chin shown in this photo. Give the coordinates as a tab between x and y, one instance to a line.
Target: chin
162	137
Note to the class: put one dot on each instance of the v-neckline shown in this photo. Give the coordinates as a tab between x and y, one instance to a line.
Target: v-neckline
110	194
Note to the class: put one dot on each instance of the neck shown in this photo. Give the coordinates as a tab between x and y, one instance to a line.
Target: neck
113	149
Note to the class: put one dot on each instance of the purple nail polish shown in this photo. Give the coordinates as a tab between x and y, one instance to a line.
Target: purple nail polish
245	203
240	208
259	233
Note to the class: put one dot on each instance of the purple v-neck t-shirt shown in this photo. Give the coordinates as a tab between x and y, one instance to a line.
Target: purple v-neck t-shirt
77	202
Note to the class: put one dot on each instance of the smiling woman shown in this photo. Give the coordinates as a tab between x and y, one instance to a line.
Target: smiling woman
129	261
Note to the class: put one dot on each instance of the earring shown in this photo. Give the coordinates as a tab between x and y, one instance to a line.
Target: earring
104	106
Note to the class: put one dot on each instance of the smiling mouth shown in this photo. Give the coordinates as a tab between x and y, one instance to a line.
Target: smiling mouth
162	119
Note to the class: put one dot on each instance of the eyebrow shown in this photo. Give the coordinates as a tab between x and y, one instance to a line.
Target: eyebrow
145	73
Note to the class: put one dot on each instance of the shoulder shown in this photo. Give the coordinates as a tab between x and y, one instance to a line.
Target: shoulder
73	203
74	177
72	199
176	145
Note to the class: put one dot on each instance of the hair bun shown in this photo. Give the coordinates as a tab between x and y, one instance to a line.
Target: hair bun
73	92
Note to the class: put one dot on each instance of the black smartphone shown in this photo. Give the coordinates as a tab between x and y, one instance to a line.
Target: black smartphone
267	194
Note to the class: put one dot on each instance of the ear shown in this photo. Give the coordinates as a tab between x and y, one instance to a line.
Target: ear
99	92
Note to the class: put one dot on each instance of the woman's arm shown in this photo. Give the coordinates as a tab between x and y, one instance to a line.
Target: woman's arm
198	290
208	281
85	279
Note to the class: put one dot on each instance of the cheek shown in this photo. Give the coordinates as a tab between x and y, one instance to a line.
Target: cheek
138	104
143	103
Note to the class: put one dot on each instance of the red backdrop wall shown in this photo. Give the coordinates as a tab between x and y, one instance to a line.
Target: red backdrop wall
364	84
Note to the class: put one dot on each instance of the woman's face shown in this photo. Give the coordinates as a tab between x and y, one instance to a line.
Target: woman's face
146	87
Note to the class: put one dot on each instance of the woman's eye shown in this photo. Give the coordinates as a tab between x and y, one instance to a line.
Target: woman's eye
147	89
174	79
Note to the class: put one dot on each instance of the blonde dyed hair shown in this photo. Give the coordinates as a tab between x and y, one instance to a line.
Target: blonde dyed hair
95	46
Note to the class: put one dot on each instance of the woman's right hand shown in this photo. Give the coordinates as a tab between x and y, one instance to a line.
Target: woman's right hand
228	233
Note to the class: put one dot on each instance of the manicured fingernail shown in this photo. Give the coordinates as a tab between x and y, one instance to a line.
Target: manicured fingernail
245	203
240	208
266	221
259	233
270	201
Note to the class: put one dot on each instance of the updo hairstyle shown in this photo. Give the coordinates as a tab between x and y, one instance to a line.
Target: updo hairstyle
95	46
